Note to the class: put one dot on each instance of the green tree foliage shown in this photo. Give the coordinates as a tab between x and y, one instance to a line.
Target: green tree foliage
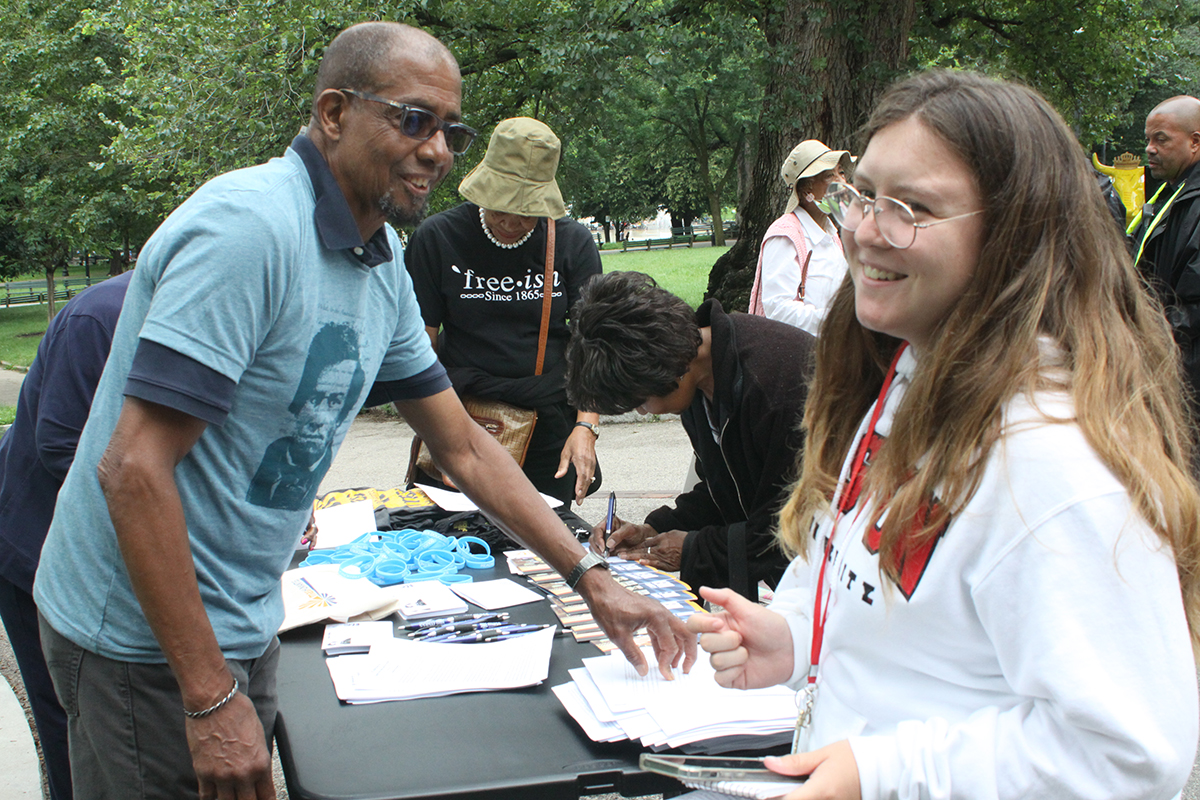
57	113
1087	58
705	72
114	112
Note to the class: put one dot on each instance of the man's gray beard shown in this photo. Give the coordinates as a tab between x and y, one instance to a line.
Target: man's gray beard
401	217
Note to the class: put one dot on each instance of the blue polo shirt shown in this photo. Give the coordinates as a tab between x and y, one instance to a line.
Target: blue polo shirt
257	307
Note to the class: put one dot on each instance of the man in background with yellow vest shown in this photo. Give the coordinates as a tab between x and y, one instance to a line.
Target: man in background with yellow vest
1166	241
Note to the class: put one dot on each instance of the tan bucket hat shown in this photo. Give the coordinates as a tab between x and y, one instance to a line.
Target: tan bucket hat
810	157
516	175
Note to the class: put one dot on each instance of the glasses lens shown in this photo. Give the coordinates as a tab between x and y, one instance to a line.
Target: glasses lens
895	221
417	123
845	205
459	138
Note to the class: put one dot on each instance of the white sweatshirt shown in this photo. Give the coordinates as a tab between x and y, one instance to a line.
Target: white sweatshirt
1043	651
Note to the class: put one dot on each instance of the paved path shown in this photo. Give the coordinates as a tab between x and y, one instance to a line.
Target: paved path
10	386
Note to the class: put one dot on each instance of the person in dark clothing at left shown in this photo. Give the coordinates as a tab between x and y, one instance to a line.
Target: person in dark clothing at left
35	454
739	383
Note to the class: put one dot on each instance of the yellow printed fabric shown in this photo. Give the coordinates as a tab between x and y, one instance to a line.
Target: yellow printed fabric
388	498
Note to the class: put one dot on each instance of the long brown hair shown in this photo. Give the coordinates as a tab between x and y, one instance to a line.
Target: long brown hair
1052	264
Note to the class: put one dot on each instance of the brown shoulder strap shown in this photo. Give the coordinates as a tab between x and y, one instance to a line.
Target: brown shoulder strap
547	296
803	276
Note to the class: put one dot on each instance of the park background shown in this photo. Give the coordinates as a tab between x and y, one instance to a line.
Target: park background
112	112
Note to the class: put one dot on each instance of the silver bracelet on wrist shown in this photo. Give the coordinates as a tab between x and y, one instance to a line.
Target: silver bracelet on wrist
212	708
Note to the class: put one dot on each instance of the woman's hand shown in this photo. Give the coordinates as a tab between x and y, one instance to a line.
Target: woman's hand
664	551
579	450
832	773
750	646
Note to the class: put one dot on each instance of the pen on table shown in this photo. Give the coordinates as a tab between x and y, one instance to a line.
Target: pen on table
608	520
487	635
497	633
459	627
435	623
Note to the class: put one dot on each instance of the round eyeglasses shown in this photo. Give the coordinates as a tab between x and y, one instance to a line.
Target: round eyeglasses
421	123
895	219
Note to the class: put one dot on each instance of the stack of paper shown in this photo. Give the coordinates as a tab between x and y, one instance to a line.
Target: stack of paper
403	669
611	702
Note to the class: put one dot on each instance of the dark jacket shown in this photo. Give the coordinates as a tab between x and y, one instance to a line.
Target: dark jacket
1171	261
55	399
760	373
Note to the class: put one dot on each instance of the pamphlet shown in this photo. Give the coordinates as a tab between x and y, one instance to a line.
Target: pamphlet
427	599
355	637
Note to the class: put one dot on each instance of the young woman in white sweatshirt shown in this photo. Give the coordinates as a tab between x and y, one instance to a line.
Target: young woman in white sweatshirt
996	590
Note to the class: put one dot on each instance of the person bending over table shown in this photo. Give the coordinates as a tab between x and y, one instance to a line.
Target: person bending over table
268	303
478	271
739	383
998	589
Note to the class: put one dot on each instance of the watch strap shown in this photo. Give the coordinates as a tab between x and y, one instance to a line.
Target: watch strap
591	426
587	562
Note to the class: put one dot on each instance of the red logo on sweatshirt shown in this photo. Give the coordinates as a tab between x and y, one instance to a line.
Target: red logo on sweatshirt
911	561
868	446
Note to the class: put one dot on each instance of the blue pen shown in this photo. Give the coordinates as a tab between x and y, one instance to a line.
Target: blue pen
492	635
435	623
458	627
608	520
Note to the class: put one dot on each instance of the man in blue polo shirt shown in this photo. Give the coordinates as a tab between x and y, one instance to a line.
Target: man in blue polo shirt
270	298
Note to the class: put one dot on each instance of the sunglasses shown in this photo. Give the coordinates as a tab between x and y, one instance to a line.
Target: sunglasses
421	124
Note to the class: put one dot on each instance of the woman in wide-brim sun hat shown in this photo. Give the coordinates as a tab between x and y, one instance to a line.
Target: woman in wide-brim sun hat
800	263
478	271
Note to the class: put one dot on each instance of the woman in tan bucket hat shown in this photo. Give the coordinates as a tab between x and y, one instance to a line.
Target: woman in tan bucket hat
478	271
800	264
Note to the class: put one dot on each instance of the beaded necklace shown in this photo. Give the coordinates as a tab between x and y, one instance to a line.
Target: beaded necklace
488	232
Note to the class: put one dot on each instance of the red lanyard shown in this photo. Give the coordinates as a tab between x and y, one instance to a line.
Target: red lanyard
821	611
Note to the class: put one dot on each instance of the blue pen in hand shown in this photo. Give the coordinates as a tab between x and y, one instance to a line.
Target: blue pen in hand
608	520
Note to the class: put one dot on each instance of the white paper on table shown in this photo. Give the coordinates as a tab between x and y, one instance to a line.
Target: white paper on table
691	708
592	696
457	501
596	730
339	525
500	593
625	690
404	669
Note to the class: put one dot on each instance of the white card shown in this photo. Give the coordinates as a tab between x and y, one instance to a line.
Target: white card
339	525
500	593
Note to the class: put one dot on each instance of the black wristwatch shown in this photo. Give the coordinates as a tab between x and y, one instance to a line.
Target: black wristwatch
591	426
585	563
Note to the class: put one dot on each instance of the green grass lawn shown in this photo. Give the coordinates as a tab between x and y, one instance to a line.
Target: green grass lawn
680	270
21	330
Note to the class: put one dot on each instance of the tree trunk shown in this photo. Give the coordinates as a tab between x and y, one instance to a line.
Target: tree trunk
834	60
51	310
